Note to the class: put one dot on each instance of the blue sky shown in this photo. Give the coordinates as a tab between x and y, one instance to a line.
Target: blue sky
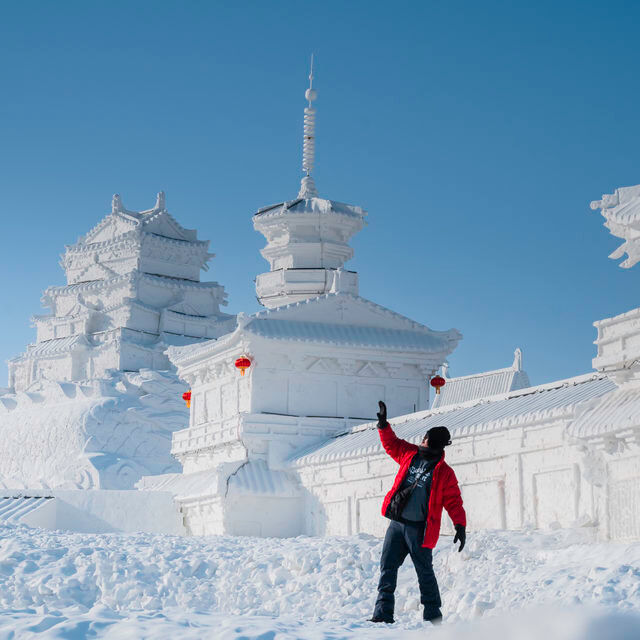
475	134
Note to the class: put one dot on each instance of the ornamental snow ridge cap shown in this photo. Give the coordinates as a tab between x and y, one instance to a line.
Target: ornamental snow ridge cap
307	455
53	347
186	354
104	222
332	208
451	334
483	374
138	218
125	278
116	281
177	226
508	395
134	237
605	322
86	310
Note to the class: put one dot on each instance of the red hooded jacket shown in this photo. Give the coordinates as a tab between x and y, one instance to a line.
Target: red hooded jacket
445	491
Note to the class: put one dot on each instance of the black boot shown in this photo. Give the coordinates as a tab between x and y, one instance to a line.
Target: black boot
380	619
434	616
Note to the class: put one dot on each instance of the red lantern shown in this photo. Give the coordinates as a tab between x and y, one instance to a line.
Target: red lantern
186	396
243	364
437	382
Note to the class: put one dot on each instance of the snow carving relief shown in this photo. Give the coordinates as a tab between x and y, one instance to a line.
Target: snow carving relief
621	211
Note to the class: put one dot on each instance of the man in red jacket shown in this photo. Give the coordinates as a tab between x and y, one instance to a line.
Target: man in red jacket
424	484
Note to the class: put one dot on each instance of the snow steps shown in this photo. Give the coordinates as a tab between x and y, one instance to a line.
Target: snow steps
14	508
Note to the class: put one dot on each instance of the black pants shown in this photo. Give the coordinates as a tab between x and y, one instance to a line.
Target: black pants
404	538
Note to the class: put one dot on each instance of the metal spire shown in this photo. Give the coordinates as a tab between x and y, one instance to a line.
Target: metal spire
307	185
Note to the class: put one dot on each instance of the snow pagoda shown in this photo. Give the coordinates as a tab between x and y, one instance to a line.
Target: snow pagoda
320	357
93	402
133	288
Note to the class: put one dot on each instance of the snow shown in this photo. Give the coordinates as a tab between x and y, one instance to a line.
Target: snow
104	433
561	584
100	511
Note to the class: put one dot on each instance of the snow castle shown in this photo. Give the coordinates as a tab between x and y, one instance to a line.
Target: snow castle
288	446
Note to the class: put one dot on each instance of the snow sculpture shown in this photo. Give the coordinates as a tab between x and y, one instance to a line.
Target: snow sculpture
321	359
307	238
621	210
88	406
98	434
133	288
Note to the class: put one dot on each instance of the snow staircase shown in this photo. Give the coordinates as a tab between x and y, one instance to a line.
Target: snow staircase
14	508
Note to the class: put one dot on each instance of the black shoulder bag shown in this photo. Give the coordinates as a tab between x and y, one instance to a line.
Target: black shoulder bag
401	497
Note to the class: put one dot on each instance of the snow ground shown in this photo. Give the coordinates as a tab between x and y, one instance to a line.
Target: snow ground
559	585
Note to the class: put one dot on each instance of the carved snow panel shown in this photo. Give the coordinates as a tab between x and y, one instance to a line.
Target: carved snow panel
270	392
555	497
313	397
403	400
484	504
199	408
214	410
369	517
361	400
229	397
337	517
624	498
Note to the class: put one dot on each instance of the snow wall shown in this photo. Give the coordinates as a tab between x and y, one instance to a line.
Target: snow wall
101	511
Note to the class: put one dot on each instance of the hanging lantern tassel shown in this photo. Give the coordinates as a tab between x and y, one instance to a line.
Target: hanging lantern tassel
186	396
437	382
243	364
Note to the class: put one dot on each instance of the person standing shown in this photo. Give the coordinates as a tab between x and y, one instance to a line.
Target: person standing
424	484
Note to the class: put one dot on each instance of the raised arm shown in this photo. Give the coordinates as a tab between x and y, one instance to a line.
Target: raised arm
394	446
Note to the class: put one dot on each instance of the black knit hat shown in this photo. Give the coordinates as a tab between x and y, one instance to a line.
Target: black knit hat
438	437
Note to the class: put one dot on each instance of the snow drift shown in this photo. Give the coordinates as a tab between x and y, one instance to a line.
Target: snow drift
151	586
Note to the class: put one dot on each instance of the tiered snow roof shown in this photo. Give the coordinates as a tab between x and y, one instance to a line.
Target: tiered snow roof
339	319
253	478
518	408
307	247
150	241
481	385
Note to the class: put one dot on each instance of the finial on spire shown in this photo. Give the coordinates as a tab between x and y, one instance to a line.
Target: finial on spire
307	185
517	359
116	203
160	201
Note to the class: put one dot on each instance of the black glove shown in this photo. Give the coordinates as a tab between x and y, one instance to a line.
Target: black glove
382	416
461	536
